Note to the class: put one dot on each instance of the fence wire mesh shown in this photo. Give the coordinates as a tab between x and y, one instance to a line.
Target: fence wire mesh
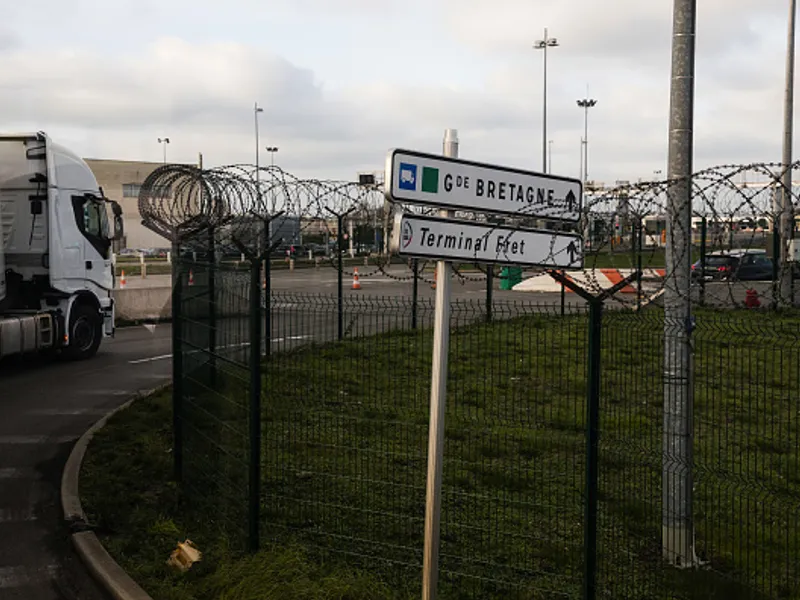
345	383
344	443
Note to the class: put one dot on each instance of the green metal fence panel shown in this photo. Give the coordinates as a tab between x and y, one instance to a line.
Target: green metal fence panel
344	440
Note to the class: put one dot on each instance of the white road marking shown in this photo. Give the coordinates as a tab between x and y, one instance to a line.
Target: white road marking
68	412
24	515
151	359
15	577
14	473
290	338
227	347
35	439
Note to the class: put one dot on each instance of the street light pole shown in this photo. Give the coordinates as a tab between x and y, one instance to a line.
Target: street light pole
272	150
678	434
784	214
164	142
550	156
586	104
544	44
256	110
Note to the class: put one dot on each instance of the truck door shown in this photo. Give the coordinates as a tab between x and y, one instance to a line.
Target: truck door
92	220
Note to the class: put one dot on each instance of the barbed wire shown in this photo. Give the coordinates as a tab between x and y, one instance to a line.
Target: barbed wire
733	213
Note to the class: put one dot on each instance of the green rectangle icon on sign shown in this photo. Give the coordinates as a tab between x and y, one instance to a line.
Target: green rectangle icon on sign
430	180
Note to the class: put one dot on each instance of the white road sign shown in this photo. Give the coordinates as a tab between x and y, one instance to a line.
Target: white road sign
448	239
432	180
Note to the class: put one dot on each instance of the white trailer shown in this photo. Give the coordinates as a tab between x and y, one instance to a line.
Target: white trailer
56	229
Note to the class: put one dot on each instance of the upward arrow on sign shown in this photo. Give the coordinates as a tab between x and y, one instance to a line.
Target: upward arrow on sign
570	199
572	249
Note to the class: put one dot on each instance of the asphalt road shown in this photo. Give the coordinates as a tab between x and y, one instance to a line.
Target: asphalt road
46	405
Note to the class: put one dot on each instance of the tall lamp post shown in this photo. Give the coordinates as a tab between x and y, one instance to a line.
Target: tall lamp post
544	44
586	104
784	213
257	109
272	150
164	142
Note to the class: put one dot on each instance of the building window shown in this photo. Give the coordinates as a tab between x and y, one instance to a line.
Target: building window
131	190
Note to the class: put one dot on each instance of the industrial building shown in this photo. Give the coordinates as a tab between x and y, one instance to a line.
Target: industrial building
121	180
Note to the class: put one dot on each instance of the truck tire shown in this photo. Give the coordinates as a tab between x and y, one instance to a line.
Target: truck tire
85	332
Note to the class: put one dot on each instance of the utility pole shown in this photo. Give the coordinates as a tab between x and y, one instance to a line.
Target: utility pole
677	455
544	44
785	213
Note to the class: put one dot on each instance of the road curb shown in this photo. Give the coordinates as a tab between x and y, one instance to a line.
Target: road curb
103	568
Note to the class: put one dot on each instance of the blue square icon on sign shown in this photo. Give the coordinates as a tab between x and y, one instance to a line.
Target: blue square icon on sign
408	177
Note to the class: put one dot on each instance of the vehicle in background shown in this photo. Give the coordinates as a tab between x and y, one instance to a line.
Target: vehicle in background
735	265
56	231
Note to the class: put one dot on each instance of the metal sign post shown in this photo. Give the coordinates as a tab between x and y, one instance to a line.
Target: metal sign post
441	347
449	184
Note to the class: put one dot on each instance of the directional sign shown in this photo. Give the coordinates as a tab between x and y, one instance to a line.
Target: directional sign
448	239
433	180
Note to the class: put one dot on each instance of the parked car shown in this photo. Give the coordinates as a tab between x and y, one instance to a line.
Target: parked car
736	265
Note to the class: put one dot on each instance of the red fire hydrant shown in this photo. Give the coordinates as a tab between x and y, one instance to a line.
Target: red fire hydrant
751	299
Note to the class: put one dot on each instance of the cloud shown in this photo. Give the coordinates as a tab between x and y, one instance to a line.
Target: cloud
8	40
486	81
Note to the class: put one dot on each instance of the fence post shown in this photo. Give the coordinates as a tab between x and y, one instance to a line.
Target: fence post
340	308
177	366
703	235
563	297
776	266
592	421
212	307
414	292
489	292
267	289
254	483
592	436
639	236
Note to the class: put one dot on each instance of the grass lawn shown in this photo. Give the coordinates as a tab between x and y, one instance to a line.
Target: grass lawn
343	467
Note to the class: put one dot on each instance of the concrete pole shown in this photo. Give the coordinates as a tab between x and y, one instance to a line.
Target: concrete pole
677	455
786	213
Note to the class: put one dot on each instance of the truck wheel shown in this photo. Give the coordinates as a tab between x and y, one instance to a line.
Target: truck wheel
85	333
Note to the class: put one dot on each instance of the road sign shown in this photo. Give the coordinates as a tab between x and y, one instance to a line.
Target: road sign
432	180
469	241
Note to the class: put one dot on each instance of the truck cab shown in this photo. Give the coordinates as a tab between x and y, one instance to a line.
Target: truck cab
56	227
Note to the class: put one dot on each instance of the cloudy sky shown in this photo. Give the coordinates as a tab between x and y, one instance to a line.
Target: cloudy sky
342	81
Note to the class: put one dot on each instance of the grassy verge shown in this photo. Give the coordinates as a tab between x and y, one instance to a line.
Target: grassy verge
141	515
344	456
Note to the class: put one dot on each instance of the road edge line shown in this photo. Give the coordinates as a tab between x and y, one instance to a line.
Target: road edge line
103	568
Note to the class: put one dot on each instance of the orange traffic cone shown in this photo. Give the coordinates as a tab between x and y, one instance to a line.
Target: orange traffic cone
122	281
191	277
356	283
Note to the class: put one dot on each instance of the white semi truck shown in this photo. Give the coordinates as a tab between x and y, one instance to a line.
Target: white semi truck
56	229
